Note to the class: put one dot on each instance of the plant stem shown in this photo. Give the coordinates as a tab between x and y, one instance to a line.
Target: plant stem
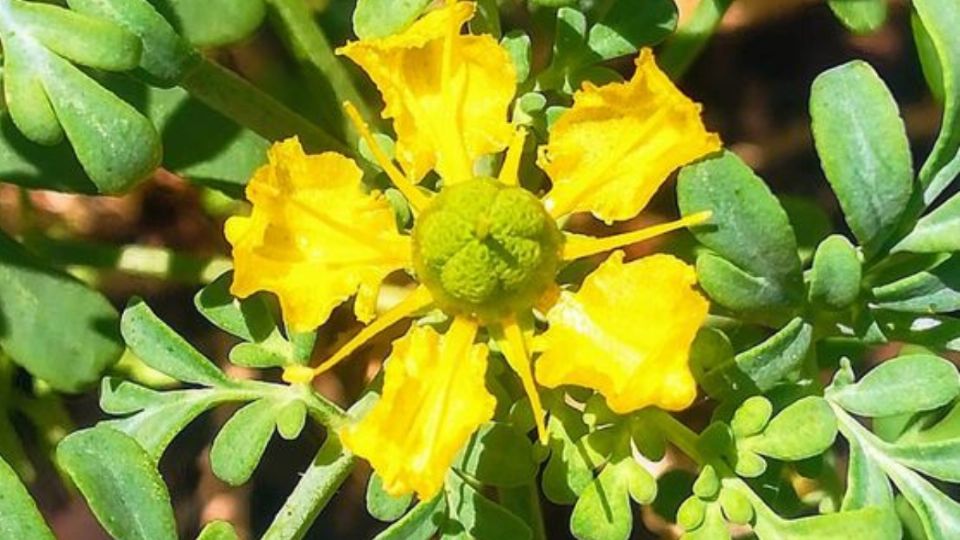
684	438
322	479
683	47
237	99
524	502
325	72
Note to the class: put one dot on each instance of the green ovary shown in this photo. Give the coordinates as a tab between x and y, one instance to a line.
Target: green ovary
486	249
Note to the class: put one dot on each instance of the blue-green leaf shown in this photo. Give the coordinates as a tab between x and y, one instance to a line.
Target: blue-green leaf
863	149
860	16
380	18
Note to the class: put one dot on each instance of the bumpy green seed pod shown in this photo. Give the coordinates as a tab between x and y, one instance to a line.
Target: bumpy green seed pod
486	249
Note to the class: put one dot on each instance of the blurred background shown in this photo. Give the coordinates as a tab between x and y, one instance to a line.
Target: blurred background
753	79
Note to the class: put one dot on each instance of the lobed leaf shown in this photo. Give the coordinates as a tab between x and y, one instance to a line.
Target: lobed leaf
210	23
780	355
239	447
499	455
906	384
836	273
472	515
164	350
804	429
625	27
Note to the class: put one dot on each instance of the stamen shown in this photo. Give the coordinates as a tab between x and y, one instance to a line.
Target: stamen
581	246
418	200
417	300
513	345
509	173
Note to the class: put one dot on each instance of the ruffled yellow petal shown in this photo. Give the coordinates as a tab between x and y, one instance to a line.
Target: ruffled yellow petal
433	399
611	152
447	93
627	334
314	237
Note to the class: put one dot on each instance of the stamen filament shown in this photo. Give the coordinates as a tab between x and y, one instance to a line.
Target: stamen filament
418	200
514	347
577	247
509	173
417	300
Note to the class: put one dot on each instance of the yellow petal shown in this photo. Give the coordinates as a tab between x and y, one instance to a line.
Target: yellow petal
433	399
314	237
447	93
627	334
611	152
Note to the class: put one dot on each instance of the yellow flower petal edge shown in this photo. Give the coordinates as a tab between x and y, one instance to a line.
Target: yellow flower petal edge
314	238
611	152
447	93
433	399
627	334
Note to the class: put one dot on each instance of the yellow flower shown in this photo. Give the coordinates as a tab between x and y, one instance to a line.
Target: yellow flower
485	251
314	237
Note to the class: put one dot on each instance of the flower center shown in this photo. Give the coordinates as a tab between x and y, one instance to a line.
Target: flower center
486	249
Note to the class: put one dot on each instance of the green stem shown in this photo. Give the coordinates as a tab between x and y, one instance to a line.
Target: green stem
317	486
138	260
329	77
524	502
684	438
237	99
683	47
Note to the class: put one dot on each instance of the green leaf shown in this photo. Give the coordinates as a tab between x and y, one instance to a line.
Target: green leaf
860	16
160	415
499	455
19	517
419	524
568	471
166	56
905	384
209	23
218	530
472	515
737	290
835	276
804	429
603	511
749	227
863	149
518	45
941	18
625	27
240	445
291	419
867	485
48	96
809	220
199	144
164	350
120	482
777	357
249	319
939	514
939	231
881	522
927	52
53	325
932	291
383	506
380	18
